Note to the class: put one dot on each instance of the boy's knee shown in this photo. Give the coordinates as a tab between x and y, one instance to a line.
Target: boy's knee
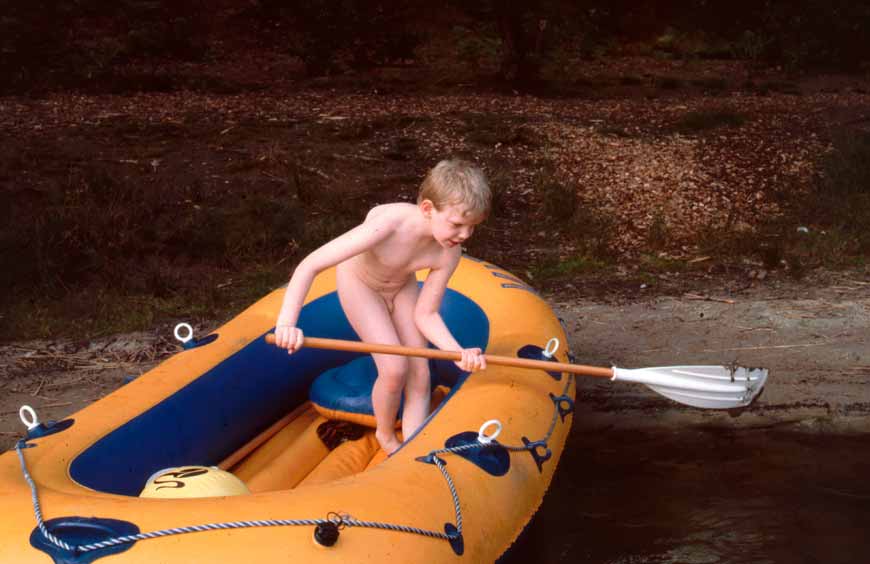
418	366
393	374
418	380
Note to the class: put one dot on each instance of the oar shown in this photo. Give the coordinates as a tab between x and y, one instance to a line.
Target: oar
710	387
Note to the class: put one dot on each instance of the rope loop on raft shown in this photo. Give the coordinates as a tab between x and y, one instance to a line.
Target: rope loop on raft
336	519
452	534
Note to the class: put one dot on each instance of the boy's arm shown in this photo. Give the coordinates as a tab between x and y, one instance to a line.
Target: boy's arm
429	320
426	314
351	243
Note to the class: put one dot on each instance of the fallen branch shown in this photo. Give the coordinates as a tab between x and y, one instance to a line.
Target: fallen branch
229	150
357	157
708	298
316	171
767	347
844	493
61	404
105	366
38	388
46	398
275	177
68	382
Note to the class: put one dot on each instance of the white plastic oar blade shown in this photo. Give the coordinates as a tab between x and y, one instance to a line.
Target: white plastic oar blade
709	387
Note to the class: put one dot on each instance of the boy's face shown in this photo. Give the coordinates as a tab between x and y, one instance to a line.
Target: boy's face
452	224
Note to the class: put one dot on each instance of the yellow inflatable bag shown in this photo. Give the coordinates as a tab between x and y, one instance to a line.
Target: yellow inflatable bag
193	481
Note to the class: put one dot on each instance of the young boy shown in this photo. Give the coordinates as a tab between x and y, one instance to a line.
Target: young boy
377	288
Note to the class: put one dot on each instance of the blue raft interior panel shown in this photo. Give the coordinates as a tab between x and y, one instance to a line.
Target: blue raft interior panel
347	389
216	414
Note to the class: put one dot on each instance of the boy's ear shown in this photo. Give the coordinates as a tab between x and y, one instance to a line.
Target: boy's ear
427	206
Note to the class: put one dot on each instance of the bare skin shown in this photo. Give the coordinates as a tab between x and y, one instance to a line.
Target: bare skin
377	287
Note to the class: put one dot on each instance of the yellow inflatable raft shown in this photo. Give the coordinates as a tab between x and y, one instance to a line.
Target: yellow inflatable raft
234	451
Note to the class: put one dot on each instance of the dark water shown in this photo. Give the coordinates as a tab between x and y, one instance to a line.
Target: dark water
698	496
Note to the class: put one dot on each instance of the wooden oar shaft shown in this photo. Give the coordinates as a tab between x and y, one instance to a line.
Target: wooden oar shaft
356	346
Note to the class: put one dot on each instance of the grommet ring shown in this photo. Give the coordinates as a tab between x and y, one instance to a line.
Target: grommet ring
551	348
31	422
189	332
485	439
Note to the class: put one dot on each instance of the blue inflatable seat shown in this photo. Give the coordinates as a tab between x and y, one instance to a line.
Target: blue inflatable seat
345	392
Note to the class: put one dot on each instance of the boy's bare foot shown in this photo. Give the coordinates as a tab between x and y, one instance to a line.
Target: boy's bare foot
389	442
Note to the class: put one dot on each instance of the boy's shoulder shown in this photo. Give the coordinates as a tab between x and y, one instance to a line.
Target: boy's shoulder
394	211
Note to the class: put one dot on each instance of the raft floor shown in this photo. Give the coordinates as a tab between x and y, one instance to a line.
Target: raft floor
290	454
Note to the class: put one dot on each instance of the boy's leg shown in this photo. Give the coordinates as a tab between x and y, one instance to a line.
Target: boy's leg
369	317
417	392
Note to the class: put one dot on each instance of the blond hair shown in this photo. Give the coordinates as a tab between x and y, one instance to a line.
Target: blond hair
457	182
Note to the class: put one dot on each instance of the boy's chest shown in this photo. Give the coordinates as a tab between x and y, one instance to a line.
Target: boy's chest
404	258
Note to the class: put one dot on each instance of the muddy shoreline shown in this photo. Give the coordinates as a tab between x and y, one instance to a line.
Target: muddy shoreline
814	342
